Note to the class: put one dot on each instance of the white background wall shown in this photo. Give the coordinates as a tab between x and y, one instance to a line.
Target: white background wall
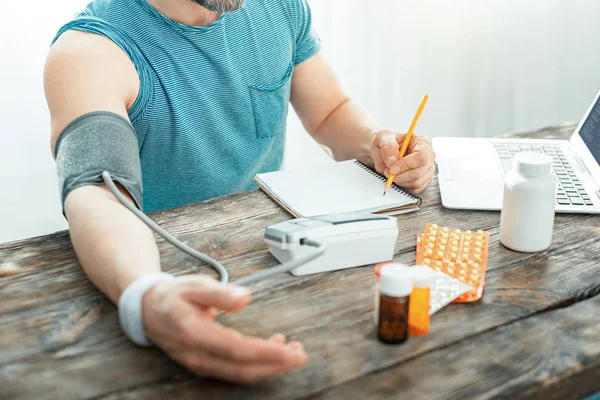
489	66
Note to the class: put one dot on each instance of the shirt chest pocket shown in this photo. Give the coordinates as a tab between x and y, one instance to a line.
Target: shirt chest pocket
270	104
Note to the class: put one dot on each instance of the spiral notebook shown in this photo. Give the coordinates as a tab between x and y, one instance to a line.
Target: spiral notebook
347	186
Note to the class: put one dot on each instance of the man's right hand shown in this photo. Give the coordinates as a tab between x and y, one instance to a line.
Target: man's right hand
179	316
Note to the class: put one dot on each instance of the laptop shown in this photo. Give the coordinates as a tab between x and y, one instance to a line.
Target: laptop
471	170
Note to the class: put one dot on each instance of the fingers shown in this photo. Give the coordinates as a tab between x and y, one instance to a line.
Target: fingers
278	338
202	333
297	346
423	187
417	180
418	158
409	178
207	365
386	150
389	144
205	291
378	161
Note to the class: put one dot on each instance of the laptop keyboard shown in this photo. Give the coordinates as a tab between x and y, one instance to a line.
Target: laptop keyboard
570	189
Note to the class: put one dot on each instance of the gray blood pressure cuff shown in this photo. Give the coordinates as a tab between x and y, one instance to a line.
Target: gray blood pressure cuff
94	143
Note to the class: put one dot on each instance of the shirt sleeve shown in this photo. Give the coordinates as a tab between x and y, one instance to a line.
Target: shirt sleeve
308	42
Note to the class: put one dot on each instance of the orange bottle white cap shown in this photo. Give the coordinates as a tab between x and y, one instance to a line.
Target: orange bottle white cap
422	276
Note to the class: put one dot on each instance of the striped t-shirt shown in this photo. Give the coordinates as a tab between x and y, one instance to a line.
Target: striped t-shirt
213	100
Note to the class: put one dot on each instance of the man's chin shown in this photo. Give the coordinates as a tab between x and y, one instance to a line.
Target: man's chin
221	6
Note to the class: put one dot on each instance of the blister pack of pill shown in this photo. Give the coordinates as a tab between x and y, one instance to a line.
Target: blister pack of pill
459	254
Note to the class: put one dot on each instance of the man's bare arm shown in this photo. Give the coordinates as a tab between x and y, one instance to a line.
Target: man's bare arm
349	131
328	113
86	73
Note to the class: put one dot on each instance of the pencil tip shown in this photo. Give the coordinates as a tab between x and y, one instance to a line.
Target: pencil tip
384	192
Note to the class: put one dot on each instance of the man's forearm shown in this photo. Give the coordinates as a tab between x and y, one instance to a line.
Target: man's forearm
347	131
112	244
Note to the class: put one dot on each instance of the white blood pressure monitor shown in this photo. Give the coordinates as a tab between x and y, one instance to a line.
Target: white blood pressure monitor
350	240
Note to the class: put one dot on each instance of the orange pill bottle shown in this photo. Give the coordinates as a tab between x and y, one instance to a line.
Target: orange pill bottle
418	313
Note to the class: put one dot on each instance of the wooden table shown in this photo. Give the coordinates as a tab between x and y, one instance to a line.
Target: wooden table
535	334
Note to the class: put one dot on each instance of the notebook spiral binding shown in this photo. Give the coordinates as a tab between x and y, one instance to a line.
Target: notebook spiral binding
384	179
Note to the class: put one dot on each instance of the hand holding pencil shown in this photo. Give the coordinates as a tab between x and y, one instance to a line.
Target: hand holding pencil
406	159
406	140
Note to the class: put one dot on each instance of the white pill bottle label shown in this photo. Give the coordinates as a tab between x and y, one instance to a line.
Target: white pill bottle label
527	217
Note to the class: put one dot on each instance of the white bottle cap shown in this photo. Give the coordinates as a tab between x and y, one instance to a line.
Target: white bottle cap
422	276
395	282
532	164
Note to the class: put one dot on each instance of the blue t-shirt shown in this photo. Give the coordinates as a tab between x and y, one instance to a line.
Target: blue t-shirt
213	100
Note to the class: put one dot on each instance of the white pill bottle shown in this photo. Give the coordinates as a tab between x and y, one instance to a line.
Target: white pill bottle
527	217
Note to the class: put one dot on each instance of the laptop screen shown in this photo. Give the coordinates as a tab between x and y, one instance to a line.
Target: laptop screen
590	131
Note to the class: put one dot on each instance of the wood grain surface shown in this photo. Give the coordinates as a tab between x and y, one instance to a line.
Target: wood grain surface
535	333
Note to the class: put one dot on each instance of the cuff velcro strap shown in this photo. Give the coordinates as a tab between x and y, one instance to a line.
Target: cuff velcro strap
130	306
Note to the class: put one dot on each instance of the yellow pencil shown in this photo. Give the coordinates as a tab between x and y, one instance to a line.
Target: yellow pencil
406	140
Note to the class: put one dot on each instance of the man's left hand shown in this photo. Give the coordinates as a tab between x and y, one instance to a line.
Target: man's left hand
415	170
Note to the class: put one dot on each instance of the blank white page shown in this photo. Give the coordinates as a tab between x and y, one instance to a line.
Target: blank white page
342	187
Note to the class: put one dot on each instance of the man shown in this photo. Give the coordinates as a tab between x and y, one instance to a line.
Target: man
191	96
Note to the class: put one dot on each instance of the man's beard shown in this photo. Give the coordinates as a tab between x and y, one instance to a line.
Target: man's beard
221	6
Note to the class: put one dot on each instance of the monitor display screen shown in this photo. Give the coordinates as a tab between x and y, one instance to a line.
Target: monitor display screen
590	131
